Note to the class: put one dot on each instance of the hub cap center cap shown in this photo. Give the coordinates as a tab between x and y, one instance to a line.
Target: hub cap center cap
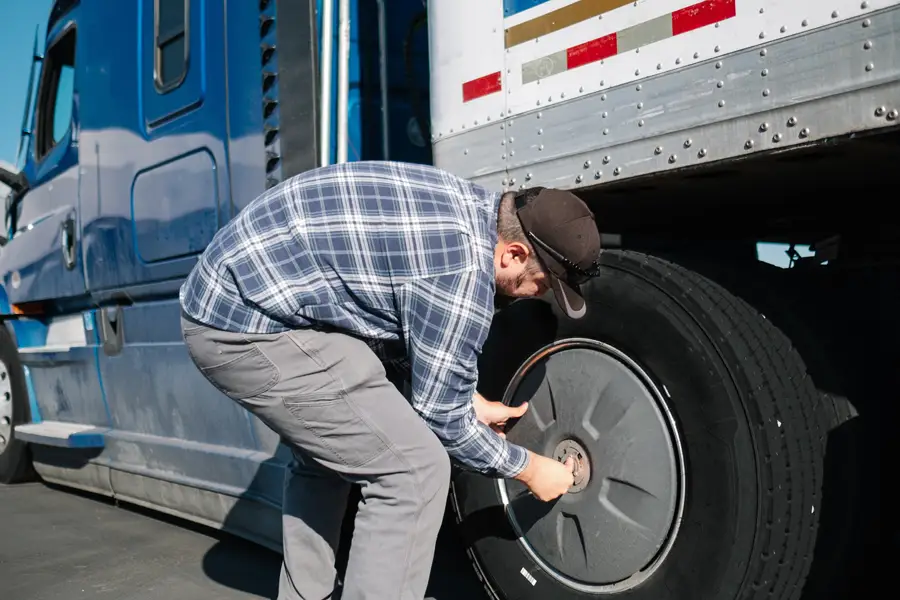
571	448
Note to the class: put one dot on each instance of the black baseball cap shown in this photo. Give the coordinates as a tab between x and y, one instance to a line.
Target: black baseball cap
563	232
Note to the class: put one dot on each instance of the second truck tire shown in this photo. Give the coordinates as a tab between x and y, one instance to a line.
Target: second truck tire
693	420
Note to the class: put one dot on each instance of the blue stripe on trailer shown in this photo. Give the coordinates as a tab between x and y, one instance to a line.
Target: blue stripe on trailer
514	7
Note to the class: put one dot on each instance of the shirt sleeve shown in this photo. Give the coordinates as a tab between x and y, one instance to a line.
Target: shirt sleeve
445	321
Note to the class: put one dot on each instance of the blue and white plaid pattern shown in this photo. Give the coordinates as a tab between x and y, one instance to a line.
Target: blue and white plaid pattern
399	254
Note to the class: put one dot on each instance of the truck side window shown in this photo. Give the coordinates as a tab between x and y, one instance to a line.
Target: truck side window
171	52
54	107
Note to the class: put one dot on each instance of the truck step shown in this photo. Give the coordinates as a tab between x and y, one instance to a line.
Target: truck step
65	435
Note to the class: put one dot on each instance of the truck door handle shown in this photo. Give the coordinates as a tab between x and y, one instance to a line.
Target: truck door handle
67	240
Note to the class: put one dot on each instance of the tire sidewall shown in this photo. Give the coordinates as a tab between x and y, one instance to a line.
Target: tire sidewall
719	520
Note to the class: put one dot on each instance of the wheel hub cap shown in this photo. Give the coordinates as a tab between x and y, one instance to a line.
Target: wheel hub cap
572	449
614	526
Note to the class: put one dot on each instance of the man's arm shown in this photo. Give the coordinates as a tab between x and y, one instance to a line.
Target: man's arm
445	321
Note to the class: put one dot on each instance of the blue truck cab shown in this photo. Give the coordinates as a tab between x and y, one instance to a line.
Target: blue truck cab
152	124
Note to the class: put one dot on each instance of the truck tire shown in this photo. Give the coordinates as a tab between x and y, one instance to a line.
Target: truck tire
15	462
694	420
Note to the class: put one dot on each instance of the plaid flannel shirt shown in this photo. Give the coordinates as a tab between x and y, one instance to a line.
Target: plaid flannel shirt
398	254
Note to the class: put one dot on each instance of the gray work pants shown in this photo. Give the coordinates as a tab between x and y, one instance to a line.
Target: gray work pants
328	397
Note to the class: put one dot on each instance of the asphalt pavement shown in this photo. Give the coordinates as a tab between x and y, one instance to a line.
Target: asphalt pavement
62	545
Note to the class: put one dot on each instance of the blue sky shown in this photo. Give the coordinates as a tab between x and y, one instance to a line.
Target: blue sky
20	17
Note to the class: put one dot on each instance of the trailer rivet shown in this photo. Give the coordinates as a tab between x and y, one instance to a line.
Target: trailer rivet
792	121
505	182
764	127
719	64
540	115
835	15
606	132
892	116
606	160
762	10
562	95
867	22
502	142
783	29
870	66
602	83
540	131
512	152
658	150
641	123
640	105
581	89
540	148
639	87
578	179
617	170
673	158
604	114
864	5
720	84
597	174
527	176
748	144
702	152
867	45
658	66
677	61
764	72
503	157
766	92
716	49
687	143
763	52
776	138
466	151
804	22
762	35
696	55
603	97
587	164
804	132
721	103
511	139
513	181
637	72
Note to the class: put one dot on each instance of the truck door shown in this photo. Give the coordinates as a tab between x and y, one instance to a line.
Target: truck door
157	136
43	258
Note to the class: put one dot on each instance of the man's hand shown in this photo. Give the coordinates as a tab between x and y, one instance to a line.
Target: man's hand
496	414
546	478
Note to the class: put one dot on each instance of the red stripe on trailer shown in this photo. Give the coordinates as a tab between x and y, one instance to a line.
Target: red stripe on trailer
483	86
702	14
591	51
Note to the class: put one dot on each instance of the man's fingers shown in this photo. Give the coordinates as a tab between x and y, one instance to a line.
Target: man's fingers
570	464
518	411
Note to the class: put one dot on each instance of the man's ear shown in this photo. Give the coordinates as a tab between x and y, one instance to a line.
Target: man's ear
518	251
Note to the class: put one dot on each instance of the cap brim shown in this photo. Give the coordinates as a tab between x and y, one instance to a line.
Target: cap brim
568	297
